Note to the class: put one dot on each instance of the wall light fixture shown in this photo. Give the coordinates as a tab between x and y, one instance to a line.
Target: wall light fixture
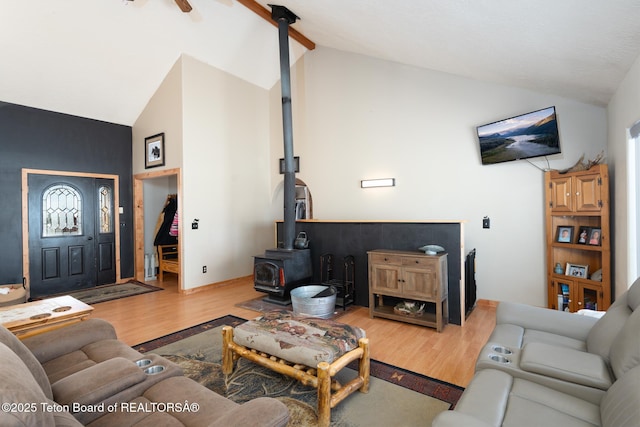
383	182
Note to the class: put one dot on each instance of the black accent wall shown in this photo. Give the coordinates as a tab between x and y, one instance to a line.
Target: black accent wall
356	238
39	139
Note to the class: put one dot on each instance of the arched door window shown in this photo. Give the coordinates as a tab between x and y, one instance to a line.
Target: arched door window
61	211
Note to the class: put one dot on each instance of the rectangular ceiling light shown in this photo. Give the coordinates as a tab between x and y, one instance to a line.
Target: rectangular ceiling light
383	182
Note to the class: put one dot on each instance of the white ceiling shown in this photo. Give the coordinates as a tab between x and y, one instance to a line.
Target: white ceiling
104	59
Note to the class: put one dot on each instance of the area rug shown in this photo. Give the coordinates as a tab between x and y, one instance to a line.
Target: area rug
261	305
110	292
396	397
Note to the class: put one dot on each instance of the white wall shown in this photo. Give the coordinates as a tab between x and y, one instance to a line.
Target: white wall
225	169
357	117
623	111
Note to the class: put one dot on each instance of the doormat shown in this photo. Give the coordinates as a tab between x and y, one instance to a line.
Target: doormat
259	304
110	292
397	397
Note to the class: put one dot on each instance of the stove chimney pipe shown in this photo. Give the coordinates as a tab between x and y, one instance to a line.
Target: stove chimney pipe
284	17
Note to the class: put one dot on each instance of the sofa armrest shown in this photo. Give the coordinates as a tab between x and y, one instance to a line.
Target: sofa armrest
55	343
566	364
94	384
544	319
457	419
259	412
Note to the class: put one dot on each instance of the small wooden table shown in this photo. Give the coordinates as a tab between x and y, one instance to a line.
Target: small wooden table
36	317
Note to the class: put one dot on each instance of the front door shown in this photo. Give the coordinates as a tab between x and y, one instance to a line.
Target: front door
71	233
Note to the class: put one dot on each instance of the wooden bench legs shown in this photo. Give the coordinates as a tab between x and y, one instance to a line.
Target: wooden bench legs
320	377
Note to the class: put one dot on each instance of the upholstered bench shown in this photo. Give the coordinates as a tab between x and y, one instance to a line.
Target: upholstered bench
308	349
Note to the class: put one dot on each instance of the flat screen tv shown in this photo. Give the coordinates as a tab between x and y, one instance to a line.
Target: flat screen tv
529	135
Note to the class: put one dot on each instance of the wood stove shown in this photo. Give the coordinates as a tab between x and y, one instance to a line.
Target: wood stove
279	271
282	269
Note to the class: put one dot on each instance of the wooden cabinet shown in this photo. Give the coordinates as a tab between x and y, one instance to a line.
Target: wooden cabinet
397	276
578	202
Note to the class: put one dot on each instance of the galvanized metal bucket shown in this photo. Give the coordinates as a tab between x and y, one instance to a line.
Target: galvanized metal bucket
305	304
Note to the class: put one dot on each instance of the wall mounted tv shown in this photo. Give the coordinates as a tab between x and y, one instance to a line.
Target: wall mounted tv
529	135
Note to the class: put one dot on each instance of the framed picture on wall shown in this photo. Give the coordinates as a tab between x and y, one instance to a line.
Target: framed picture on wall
564	234
154	151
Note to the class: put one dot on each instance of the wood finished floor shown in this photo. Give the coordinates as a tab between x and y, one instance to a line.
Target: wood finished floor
449	356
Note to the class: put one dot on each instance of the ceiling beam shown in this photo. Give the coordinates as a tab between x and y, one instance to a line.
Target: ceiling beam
184	5
266	14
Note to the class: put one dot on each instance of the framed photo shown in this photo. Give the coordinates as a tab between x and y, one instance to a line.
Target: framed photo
576	270
595	236
564	234
154	151
583	235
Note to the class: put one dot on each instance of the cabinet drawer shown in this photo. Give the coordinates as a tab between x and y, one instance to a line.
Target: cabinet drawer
386	259
418	262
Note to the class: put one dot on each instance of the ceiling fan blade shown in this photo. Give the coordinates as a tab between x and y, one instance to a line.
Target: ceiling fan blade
184	5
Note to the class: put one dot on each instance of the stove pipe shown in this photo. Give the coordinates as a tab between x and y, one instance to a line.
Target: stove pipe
284	17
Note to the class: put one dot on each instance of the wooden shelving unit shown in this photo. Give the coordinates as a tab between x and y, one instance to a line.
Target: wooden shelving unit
578	201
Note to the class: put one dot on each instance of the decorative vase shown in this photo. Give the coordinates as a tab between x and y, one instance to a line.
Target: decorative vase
558	268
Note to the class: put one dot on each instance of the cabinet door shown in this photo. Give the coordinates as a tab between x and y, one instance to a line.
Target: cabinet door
420	283
589	296
588	198
561	295
561	194
386	279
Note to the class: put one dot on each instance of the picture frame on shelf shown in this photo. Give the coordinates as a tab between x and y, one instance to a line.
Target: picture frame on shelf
564	234
595	237
154	151
583	235
576	270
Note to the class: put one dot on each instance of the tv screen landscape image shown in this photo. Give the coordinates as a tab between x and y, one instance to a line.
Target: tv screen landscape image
529	135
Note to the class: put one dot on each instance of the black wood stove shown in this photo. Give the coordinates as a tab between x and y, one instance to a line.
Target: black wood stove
280	270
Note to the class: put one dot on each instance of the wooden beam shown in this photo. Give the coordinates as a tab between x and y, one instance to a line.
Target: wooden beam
184	5
266	14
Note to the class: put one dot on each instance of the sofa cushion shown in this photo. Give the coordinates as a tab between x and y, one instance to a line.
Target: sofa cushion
619	406
20	388
633	295
566	364
605	330
625	350
87	356
106	379
73	337
30	361
534	405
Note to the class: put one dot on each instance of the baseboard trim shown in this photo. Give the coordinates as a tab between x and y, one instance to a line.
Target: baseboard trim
216	285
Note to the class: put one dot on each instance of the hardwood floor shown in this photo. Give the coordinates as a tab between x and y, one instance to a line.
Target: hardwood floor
449	356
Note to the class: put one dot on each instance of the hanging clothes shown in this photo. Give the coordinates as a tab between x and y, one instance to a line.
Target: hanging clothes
163	237
173	230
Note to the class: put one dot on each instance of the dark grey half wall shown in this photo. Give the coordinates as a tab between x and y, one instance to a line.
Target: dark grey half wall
356	238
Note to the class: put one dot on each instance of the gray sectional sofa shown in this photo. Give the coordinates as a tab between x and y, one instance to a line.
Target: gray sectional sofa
82	375
542	367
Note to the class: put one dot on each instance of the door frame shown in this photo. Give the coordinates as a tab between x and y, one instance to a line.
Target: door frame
138	220
25	214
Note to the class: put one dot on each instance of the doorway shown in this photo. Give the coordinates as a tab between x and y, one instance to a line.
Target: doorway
139	197
70	237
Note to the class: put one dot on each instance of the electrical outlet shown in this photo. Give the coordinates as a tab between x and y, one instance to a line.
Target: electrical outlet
204	268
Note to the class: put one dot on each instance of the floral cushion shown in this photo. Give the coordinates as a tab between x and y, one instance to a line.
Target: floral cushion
298	339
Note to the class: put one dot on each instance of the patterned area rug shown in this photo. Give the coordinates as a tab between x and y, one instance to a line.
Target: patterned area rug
111	292
396	397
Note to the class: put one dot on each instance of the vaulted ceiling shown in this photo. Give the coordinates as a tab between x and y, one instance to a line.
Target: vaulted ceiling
104	59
